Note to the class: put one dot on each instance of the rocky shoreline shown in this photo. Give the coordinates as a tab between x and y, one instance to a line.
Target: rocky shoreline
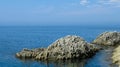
74	47
108	40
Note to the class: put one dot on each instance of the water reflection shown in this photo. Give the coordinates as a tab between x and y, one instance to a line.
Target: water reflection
68	63
101	59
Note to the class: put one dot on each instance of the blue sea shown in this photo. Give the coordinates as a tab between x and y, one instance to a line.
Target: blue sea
14	38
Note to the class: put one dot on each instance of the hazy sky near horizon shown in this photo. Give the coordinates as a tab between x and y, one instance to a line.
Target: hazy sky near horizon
59	12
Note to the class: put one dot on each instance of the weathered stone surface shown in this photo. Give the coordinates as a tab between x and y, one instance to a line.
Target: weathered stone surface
27	53
68	47
108	38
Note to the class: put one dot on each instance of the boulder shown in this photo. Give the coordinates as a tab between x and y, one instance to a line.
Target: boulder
68	47
108	38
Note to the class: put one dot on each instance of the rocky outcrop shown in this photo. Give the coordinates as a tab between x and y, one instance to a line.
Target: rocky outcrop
68	47
27	53
116	56
108	38
111	39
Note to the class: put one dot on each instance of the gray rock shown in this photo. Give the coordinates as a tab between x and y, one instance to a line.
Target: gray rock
108	38
68	47
27	53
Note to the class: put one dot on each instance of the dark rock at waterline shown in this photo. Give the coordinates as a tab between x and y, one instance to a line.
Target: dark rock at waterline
68	47
108	38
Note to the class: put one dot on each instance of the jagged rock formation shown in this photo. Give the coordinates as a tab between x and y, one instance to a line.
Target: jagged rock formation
108	38
68	47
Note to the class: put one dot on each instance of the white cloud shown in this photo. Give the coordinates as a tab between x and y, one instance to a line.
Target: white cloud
114	1
110	3
84	2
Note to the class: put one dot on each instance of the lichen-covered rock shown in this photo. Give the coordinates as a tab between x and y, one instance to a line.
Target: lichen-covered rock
108	38
116	56
68	47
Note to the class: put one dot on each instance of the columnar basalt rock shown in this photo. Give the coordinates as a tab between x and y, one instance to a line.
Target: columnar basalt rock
69	47
108	38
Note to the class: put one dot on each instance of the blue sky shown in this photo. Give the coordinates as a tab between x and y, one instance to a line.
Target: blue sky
59	12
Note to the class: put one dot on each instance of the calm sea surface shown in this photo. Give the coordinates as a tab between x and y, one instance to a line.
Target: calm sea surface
14	39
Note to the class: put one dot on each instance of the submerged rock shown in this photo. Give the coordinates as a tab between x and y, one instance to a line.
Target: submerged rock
108	38
69	47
